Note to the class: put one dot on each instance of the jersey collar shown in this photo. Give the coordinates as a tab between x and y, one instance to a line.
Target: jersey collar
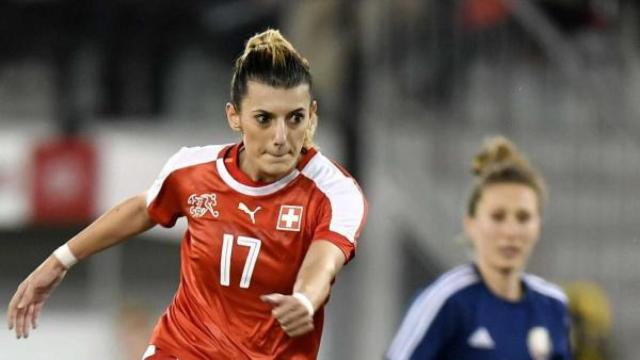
526	291
229	169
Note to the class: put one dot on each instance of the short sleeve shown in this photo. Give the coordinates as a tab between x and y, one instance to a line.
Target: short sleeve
425	330
342	215
162	198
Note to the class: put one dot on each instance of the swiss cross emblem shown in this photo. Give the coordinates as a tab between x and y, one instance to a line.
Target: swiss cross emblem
290	218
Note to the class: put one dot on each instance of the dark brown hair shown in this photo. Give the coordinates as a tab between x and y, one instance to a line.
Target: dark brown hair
270	59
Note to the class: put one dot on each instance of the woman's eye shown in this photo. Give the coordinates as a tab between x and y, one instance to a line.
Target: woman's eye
262	119
523	217
297	118
498	217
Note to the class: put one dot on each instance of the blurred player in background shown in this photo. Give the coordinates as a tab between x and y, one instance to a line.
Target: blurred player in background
271	221
491	309
591	319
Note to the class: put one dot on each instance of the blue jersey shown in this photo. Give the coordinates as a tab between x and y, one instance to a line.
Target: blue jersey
458	317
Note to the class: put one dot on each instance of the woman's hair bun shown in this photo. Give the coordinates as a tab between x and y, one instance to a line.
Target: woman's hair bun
497	152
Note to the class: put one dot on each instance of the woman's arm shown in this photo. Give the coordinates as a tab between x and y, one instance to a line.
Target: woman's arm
295	312
320	266
127	219
123	221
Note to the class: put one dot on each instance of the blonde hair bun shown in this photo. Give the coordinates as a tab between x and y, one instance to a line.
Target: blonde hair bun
497	152
500	161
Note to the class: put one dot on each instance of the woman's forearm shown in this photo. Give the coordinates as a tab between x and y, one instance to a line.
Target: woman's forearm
320	266
121	222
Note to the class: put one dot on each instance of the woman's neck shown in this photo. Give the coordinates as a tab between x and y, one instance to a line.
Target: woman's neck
248	169
251	170
505	284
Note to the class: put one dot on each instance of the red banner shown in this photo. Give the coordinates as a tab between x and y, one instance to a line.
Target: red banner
64	182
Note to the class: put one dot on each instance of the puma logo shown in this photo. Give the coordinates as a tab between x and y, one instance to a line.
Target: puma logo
252	214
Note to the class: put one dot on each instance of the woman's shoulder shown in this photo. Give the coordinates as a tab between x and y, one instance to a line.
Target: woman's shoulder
191	155
330	177
545	288
316	166
194	153
449	285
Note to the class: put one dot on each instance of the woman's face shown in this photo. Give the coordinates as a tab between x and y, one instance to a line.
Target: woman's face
505	227
273	122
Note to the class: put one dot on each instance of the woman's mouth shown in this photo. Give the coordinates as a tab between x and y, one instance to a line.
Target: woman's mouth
509	252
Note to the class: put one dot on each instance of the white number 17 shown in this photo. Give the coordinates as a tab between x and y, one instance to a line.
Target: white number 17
250	263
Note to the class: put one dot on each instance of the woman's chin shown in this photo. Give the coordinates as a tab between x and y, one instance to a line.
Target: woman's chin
277	170
508	266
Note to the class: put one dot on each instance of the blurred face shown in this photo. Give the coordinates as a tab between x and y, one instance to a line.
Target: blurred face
505	227
273	122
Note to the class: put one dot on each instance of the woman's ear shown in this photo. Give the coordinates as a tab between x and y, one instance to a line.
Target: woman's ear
313	109
233	117
313	115
469	227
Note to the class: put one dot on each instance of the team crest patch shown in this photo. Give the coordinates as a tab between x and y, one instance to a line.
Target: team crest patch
202	204
539	343
290	218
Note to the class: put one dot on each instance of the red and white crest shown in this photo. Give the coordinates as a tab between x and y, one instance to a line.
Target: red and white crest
201	204
290	218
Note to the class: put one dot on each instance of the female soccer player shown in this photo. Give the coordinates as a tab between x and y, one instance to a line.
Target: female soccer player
271	221
490	309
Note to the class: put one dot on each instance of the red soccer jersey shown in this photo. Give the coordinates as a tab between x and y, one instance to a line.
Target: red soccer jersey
245	240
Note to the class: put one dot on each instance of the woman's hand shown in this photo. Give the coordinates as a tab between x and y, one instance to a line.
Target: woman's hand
294	317
123	221
26	304
319	268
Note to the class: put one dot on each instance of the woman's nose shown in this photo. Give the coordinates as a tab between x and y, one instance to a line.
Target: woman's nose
280	132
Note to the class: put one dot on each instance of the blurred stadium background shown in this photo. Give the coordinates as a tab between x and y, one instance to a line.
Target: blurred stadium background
96	95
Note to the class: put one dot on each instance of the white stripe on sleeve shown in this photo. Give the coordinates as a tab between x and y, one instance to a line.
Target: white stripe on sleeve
545	287
346	199
185	157
425	309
